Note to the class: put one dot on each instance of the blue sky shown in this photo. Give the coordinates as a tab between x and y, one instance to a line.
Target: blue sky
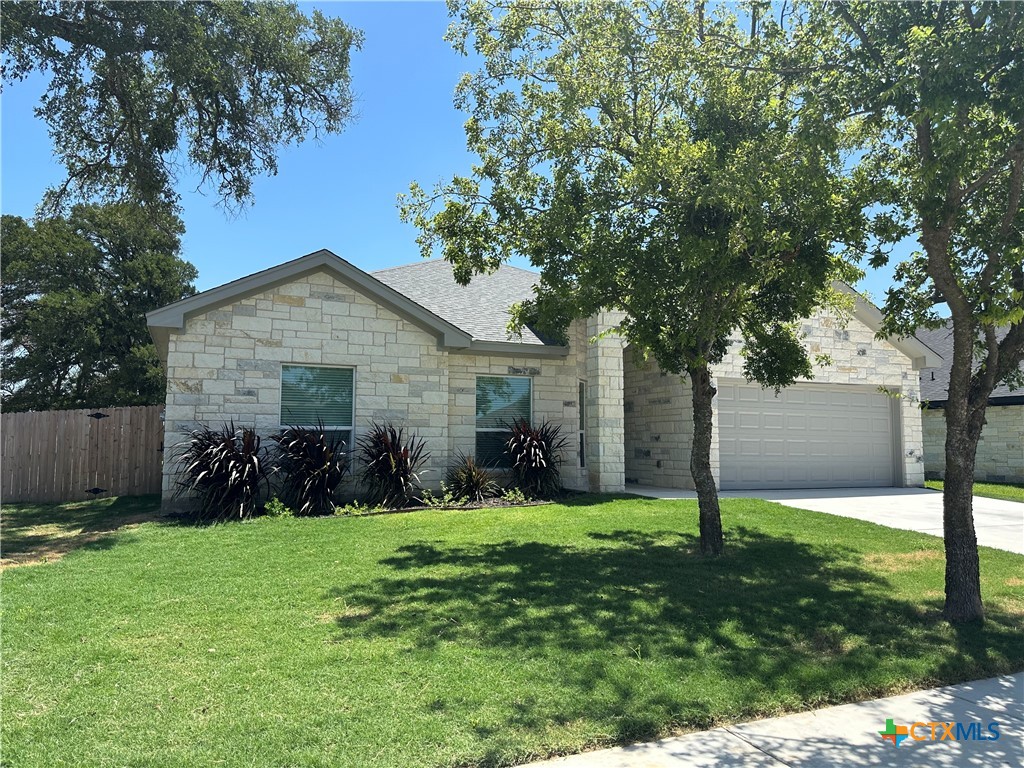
337	194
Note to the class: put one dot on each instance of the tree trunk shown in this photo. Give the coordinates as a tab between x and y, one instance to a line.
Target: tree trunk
966	400
711	542
963	576
965	417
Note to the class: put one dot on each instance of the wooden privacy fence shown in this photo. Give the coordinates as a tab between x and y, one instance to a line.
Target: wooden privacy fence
81	454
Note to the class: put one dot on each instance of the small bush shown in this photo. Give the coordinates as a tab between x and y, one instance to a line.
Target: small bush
277	508
467	479
355	508
536	456
314	462
513	496
225	470
390	465
447	500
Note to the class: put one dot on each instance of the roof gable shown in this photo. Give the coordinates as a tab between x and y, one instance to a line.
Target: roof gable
920	354
173	317
935	379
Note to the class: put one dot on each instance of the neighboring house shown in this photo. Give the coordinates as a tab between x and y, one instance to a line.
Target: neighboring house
1000	457
317	338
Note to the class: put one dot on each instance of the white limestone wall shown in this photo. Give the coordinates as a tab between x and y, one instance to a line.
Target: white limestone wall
857	357
226	365
606	467
555	394
658	425
1000	457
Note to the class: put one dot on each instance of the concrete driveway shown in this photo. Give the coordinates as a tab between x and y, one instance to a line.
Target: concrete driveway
999	523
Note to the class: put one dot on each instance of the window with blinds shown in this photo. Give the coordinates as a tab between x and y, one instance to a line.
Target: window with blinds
314	394
500	401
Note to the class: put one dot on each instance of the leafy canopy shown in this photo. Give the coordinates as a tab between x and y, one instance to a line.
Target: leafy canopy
647	159
941	94
138	89
75	293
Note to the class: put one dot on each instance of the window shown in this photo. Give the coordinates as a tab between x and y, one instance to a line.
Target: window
583	422
311	394
500	400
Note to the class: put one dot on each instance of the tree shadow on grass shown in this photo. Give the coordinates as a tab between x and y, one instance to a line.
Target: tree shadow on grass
37	533
631	618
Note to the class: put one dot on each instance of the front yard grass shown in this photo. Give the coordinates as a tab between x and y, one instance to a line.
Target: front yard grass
483	637
1007	491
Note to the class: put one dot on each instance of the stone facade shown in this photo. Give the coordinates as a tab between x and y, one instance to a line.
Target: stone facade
659	424
1000	457
226	365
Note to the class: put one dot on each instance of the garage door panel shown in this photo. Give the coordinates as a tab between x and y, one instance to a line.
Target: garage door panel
808	436
819	397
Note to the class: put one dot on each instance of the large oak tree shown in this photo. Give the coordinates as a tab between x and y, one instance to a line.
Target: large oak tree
138	90
648	160
75	293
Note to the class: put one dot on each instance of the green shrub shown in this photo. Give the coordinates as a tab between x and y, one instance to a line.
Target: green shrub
391	465
536	455
356	508
447	500
277	508
467	479
313	462
513	496
224	470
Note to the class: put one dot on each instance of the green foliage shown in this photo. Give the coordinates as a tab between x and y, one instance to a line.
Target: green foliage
942	146
939	99
136	88
277	508
314	462
224	471
356	508
448	499
391	465
648	160
467	479
514	496
75	293
536	454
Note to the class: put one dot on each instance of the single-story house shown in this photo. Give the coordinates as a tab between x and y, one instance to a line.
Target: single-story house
318	338
1000	457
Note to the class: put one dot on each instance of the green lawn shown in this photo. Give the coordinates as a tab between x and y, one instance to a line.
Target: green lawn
1008	491
467	637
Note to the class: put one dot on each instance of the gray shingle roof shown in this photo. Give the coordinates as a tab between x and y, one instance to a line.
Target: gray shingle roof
935	381
481	308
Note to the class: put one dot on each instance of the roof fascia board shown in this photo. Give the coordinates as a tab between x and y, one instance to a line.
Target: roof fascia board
920	354
993	402
512	348
174	315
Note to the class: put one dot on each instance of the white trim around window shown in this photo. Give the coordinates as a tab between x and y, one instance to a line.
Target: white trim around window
319	395
500	400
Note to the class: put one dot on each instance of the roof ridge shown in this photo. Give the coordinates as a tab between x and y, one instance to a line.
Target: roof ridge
432	261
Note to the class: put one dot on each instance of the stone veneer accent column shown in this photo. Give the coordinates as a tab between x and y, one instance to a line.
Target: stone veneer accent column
912	432
606	464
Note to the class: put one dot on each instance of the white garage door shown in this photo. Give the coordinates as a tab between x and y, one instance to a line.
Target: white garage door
809	436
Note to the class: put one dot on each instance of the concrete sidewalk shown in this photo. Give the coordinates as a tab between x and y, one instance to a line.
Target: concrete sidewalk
845	735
